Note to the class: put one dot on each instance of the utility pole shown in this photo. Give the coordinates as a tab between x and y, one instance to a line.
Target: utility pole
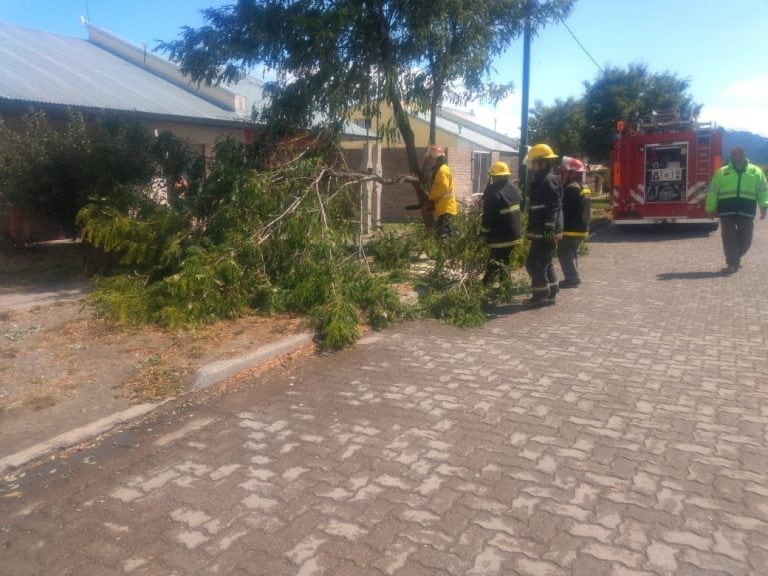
523	148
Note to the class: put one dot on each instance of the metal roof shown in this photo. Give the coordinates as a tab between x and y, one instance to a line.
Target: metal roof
46	68
468	136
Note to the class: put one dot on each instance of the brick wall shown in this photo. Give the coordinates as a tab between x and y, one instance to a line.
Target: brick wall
396	196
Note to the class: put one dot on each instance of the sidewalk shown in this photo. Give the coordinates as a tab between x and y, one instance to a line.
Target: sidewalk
43	296
70	382
621	432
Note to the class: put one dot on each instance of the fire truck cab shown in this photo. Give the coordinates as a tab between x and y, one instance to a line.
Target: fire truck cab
661	167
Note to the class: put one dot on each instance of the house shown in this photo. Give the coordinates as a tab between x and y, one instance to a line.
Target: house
58	74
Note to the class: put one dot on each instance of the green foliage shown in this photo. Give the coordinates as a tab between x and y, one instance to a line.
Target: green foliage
267	241
460	305
396	249
325	52
336	322
54	171
633	92
453	291
123	299
336	59
584	127
561	125
284	239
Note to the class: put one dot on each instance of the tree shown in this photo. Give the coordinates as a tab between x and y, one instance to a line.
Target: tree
561	125
53	171
337	57
584	127
633	92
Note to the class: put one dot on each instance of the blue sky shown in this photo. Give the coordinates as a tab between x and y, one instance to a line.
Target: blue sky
720	47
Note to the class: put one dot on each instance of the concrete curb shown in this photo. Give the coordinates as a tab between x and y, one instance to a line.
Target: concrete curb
223	369
75	436
203	378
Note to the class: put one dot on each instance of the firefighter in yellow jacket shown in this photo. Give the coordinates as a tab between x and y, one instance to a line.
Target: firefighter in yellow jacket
441	194
735	192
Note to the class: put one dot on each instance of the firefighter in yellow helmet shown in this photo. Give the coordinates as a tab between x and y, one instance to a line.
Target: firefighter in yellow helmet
501	224
441	195
545	224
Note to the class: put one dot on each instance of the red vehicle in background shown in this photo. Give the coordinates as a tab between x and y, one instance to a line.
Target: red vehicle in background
661	168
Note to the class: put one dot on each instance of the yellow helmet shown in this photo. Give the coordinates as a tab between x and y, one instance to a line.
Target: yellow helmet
499	169
540	152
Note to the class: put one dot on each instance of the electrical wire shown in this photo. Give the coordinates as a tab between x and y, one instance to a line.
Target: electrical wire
582	46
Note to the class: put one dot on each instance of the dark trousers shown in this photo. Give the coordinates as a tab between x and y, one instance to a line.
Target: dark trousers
568	256
444	228
737	237
496	267
540	269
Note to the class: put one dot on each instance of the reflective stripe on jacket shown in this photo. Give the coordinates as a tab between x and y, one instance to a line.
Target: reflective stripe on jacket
734	192
576	210
501	214
545	204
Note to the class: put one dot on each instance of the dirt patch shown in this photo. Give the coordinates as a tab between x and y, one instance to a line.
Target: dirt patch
60	367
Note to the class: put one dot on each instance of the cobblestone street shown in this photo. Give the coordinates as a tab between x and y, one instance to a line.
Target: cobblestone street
622	432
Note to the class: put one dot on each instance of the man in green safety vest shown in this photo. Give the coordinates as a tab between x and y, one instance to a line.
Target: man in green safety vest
734	194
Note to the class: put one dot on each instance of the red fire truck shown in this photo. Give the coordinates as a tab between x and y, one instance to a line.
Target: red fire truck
661	167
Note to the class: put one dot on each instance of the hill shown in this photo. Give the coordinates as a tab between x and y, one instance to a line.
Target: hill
756	146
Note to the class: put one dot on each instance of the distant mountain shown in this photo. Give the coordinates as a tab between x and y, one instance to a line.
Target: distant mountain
754	145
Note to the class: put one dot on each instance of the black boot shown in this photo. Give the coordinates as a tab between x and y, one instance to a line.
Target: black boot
538	301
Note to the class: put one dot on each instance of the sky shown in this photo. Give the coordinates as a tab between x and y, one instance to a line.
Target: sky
720	48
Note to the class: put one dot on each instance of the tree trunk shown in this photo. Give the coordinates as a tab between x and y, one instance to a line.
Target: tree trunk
420	182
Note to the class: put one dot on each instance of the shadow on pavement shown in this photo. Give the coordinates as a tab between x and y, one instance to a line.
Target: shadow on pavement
504	310
651	233
690	275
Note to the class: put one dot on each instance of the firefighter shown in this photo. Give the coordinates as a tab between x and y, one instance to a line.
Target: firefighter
501	224
545	225
576	205
442	199
734	193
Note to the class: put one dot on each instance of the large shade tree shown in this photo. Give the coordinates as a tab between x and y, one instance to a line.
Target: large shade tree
561	125
337	57
585	126
627	93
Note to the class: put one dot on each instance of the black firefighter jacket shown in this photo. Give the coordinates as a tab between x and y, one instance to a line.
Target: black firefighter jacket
545	205
576	210
501	221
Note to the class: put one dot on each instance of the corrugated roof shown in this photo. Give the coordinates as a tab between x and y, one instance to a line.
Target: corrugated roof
42	67
466	134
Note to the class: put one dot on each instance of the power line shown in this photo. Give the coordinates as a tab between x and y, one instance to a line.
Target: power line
582	46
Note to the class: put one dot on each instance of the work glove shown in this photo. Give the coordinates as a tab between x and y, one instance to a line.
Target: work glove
549	239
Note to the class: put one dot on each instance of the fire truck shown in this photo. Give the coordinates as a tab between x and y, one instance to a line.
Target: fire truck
661	167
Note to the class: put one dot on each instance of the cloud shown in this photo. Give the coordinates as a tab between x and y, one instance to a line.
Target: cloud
751	90
742	105
750	118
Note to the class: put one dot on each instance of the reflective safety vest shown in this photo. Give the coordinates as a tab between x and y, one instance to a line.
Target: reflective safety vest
737	193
